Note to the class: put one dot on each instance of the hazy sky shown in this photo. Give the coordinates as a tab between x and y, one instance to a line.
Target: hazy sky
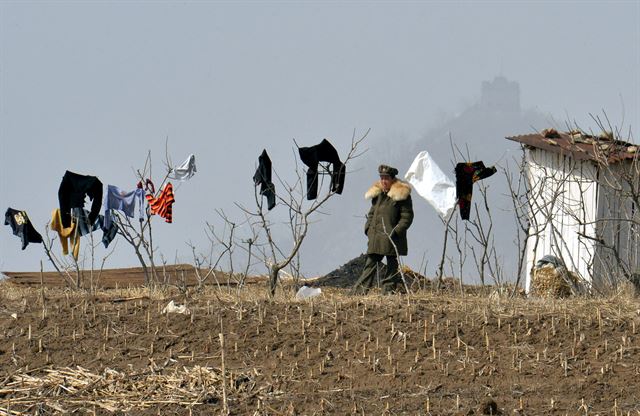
90	87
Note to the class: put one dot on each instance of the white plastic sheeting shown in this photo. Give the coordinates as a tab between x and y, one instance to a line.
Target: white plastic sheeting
306	292
431	183
172	307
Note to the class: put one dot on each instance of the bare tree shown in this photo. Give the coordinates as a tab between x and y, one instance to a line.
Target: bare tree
62	266
483	235
521	198
617	227
70	268
140	236
207	265
292	196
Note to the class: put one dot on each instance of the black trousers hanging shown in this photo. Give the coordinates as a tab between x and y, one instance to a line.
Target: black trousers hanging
322	152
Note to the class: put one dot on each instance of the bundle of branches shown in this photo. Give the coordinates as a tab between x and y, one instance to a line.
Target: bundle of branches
549	281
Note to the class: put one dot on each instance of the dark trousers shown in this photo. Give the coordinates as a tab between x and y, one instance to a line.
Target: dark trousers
370	275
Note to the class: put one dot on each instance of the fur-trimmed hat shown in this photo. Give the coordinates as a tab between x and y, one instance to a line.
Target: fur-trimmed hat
387	170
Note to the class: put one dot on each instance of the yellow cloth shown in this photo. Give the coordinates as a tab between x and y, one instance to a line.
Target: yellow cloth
66	234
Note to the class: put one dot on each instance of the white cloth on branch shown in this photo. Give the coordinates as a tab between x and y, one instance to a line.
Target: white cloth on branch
186	170
432	184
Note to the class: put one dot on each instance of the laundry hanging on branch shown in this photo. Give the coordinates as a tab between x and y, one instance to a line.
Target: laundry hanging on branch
80	225
119	200
146	185
432	184
322	152
68	235
72	192
81	218
22	226
184	171
108	233
262	177
162	205
468	173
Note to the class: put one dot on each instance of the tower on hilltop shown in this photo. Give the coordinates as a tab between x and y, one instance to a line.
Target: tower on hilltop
500	95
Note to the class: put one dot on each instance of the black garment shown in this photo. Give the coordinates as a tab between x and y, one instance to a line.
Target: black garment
262	177
71	194
467	173
323	152
108	234
81	218
22	227
370	278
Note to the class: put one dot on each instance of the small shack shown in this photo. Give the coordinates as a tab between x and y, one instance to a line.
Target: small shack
582	200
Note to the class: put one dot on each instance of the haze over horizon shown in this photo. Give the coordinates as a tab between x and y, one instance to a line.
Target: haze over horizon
91	88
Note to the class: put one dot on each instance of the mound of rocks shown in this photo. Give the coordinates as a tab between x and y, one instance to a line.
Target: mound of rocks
344	276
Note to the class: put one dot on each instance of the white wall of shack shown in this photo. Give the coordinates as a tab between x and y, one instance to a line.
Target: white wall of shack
615	226
563	212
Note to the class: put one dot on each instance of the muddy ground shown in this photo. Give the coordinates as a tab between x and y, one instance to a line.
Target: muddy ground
115	352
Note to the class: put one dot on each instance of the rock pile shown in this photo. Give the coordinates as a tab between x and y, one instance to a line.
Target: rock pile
344	276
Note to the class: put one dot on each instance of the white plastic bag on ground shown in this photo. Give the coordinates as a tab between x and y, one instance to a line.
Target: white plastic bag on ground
306	292
173	308
431	183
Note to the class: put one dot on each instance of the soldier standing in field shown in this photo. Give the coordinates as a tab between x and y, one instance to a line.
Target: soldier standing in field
390	216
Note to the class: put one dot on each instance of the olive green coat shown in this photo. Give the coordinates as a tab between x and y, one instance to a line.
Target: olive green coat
391	213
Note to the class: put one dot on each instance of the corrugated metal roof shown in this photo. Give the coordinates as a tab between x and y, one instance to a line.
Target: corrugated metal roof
580	146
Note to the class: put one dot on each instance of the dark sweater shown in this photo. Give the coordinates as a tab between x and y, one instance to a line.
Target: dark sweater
73	190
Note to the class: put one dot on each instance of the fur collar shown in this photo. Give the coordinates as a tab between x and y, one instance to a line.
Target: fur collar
399	191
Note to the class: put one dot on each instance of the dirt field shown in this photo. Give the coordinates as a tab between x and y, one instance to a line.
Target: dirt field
428	353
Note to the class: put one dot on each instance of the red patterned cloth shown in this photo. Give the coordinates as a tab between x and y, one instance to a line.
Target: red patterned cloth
162	205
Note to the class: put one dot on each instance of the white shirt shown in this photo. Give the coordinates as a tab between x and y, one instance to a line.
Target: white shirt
184	171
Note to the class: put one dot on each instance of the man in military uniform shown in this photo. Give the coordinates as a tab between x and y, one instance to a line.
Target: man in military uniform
390	216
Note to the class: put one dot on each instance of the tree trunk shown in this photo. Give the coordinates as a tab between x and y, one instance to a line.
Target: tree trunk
273	279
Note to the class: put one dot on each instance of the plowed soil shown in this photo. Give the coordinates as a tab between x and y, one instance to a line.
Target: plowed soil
425	353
